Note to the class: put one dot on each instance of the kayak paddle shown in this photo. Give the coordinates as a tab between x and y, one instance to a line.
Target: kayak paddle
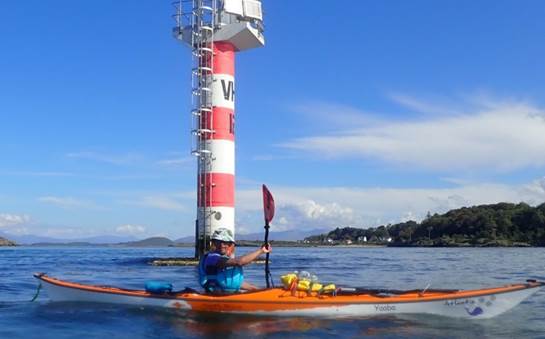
268	209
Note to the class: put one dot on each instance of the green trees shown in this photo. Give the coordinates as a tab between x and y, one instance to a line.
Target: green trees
496	224
502	224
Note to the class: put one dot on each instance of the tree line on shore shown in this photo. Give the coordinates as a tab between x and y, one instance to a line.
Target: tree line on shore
502	224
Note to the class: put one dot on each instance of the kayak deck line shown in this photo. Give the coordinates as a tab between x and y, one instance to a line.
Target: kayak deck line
469	304
105	289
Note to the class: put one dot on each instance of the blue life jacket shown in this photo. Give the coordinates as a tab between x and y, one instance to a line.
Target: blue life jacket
214	279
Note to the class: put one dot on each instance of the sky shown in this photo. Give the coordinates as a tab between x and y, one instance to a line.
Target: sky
357	113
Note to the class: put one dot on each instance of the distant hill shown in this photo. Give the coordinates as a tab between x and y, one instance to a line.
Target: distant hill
150	242
185	240
68	244
36	240
6	242
292	235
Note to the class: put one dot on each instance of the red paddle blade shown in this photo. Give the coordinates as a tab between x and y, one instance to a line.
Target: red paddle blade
268	205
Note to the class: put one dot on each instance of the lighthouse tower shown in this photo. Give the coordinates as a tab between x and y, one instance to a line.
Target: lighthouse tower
215	30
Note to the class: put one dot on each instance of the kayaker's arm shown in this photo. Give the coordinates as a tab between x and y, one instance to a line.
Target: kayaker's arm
248	258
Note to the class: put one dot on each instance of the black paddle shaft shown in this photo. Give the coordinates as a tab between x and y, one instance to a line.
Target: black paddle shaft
267	270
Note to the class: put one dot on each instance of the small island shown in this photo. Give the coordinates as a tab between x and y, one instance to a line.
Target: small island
6	242
502	224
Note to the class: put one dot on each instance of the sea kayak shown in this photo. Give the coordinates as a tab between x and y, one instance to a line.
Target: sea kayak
481	303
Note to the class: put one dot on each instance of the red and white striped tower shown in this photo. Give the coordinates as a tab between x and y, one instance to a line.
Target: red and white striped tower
216	30
217	179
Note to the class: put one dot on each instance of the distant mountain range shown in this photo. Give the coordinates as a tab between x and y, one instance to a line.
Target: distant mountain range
151	242
293	235
33	239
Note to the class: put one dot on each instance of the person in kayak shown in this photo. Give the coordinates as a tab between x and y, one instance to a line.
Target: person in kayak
220	271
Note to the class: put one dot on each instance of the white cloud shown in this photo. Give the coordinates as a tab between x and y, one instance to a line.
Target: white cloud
7	220
131	229
416	105
333	115
534	192
19	230
502	136
310	214
66	202
307	208
310	208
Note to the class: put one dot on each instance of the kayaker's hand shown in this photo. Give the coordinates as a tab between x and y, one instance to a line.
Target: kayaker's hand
267	248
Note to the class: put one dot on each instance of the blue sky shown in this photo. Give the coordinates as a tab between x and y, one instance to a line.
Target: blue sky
355	113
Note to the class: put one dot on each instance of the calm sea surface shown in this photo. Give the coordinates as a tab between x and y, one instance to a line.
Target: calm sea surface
397	268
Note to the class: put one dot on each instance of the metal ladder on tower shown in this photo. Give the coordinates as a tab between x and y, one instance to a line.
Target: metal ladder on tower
201	17
203	25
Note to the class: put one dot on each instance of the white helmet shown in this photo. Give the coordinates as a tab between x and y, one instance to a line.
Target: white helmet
223	234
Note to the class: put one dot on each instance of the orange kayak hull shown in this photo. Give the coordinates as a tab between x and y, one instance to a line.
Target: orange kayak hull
481	303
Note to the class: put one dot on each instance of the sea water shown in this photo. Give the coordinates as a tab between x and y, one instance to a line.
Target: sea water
395	268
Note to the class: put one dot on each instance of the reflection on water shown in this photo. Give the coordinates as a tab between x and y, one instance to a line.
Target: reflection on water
235	326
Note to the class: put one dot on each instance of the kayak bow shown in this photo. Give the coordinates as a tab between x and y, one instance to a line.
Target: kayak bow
481	303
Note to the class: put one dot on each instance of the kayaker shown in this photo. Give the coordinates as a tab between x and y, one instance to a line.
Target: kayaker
220	271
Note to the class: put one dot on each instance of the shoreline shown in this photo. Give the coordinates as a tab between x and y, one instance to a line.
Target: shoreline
257	244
